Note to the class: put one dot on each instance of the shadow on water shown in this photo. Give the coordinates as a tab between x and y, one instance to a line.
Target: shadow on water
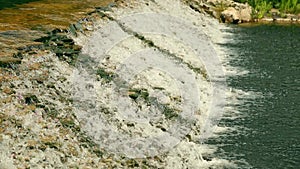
13	3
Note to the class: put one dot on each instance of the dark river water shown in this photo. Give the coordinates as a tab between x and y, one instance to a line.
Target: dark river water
270	125
12	3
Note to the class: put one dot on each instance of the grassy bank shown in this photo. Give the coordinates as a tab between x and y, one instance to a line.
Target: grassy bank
263	7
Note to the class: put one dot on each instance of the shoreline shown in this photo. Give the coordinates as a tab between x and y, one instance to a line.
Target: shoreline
229	11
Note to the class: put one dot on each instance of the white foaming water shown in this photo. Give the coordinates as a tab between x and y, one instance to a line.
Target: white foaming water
153	67
235	98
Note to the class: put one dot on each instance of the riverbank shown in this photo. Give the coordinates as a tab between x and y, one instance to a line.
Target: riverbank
41	126
229	11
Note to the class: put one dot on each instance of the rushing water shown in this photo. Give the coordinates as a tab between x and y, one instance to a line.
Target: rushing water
268	134
269	130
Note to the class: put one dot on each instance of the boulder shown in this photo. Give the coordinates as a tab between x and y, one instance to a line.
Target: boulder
245	13
238	14
230	15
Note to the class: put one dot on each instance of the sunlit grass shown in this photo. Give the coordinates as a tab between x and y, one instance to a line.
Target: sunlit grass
261	7
290	6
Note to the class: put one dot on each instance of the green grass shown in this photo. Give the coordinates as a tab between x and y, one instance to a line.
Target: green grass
262	7
290	6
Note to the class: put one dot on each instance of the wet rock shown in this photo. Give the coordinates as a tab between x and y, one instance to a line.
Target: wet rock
207	158
18	55
57	30
106	76
35	66
135	93
8	90
31	144
72	30
50	141
6	99
31	99
63	46
9	61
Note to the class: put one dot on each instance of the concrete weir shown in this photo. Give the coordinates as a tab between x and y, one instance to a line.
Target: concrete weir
136	84
154	68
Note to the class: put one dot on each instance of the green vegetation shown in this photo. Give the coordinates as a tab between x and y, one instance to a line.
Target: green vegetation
262	7
290	6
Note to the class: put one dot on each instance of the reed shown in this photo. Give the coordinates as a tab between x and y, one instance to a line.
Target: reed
261	7
289	6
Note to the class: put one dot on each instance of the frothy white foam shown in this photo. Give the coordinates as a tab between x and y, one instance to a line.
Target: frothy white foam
235	97
192	35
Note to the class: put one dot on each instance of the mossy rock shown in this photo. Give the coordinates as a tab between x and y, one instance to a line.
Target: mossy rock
170	113
107	76
63	46
135	93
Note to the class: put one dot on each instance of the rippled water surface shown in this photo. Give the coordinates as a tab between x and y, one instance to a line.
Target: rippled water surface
269	135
